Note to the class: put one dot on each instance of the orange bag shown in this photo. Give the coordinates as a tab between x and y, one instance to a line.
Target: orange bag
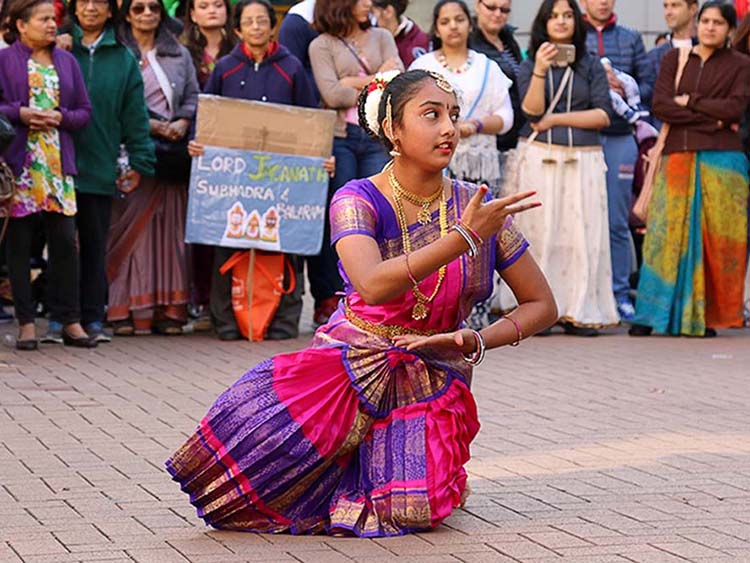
257	287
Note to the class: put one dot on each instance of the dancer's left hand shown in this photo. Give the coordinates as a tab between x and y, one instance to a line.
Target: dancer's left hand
461	340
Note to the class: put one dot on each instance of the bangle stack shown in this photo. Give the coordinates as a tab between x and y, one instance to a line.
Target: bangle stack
472	232
519	332
478	356
472	238
461	230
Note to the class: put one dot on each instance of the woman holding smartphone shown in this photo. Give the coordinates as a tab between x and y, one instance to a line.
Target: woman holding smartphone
565	98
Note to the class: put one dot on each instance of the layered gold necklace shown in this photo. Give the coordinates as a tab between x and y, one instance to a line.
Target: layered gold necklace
424	216
420	309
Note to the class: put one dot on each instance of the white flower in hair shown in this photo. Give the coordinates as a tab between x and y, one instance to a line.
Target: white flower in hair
374	94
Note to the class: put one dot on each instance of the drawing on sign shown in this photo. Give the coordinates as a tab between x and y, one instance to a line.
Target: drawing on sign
235	222
253	225
270	232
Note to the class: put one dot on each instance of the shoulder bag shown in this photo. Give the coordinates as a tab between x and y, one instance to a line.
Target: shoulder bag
517	156
7	178
653	159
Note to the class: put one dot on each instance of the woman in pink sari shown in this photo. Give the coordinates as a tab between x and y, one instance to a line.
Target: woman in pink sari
366	431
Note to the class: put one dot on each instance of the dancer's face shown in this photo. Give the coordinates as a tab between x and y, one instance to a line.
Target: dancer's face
427	133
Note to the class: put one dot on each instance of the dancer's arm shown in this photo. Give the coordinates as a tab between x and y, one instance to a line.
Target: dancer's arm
378	281
536	304
536	311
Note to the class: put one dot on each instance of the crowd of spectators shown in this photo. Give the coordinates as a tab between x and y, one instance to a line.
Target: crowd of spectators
103	97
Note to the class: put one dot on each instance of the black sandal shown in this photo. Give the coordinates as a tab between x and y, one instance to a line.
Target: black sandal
27	345
123	328
78	341
168	327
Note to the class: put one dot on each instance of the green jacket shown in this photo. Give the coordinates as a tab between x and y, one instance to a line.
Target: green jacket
118	115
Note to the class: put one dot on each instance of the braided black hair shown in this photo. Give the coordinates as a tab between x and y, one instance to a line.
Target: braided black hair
400	90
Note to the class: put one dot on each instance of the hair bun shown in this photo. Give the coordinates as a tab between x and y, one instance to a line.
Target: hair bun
368	105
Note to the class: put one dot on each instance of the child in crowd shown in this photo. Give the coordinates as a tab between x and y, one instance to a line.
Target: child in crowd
629	107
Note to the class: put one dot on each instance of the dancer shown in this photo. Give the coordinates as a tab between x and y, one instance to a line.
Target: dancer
366	432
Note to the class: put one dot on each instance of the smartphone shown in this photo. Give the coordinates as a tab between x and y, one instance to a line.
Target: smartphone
566	53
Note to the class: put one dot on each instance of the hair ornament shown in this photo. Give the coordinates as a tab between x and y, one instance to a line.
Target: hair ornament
442	82
374	95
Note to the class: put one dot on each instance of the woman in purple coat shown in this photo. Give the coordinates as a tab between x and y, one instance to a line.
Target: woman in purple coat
43	94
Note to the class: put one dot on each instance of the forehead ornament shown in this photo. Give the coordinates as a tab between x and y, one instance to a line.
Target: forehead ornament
442	82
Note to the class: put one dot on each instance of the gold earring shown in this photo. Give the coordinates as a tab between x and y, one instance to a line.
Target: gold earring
388	118
388	126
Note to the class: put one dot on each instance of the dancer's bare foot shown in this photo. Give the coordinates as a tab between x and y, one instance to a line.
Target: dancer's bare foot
465	496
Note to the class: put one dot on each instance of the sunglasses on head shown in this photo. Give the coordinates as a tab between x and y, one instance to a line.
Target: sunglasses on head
502	9
153	7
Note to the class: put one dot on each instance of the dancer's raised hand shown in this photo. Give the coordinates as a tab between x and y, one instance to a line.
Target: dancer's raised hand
488	218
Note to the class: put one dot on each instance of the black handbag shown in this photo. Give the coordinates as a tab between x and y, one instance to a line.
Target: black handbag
7	133
172	158
7	191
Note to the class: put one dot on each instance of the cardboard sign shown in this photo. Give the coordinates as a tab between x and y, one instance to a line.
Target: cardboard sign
253	199
260	183
260	126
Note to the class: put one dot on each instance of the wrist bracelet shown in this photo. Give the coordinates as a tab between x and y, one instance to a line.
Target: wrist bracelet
467	237
478	356
472	232
478	124
542	76
519	332
412	279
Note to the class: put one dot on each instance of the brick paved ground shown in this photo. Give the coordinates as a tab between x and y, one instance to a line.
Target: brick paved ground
603	450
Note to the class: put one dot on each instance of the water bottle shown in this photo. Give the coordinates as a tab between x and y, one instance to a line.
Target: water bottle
123	167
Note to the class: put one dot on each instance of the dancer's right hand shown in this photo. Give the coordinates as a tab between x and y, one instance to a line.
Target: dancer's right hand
488	218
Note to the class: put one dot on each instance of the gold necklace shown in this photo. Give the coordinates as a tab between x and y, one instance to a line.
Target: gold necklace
420	310
423	216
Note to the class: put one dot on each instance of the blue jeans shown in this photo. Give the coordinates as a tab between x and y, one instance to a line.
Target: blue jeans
620	153
357	156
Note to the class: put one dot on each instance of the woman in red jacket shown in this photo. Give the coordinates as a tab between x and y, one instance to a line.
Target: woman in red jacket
695	251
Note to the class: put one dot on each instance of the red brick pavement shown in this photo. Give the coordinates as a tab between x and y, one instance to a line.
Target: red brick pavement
602	450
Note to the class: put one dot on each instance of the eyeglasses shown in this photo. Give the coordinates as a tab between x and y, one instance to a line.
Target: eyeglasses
153	7
502	9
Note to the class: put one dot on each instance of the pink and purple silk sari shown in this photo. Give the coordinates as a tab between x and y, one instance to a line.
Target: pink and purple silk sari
351	435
